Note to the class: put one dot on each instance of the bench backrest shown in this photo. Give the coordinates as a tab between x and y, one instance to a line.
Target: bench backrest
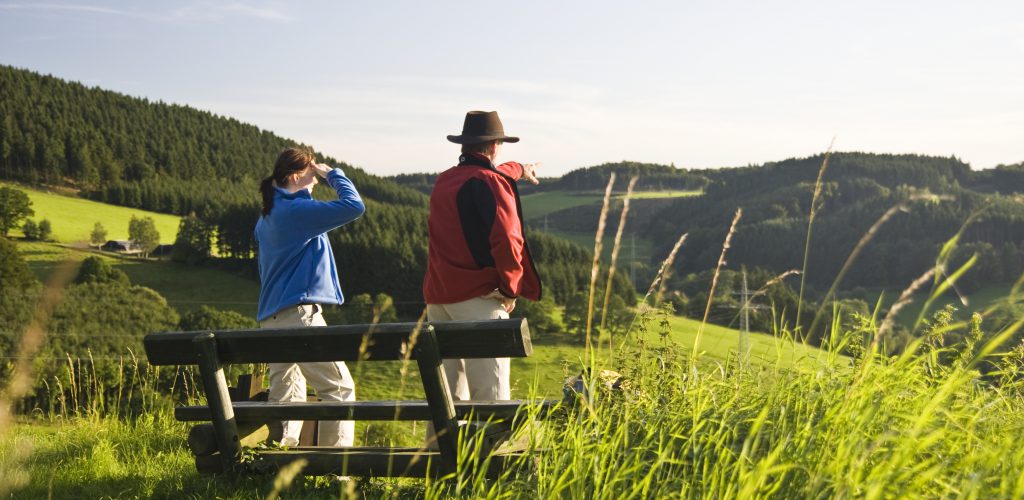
383	342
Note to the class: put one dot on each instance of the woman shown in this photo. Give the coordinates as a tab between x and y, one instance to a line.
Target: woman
297	275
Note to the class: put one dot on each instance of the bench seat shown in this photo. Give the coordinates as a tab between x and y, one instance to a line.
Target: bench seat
217	445
253	411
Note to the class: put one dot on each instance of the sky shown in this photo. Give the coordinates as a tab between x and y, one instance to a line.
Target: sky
697	84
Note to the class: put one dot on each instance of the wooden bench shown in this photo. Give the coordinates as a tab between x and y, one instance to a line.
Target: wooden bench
426	344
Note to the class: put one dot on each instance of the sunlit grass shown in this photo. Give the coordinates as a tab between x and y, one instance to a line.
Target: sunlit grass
73	218
847	420
650	195
543	203
540	204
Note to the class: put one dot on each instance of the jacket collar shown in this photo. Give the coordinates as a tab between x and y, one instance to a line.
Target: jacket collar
477	160
302	193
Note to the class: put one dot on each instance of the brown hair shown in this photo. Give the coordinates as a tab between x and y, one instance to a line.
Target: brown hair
290	161
480	147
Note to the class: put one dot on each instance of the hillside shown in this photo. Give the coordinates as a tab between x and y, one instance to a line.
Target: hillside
179	160
857	189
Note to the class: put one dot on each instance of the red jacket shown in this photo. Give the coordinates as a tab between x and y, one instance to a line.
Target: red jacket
476	235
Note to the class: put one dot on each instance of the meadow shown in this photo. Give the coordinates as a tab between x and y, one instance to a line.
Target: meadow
546	202
73	218
683	425
690	418
185	287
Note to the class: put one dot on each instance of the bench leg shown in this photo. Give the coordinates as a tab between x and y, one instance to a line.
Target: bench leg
439	398
216	388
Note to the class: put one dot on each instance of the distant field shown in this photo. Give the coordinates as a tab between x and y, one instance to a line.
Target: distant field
73	218
540	204
664	194
977	301
185	287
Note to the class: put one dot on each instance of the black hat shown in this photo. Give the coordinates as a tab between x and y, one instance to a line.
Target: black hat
481	126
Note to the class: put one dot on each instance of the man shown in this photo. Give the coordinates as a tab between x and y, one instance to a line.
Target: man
478	263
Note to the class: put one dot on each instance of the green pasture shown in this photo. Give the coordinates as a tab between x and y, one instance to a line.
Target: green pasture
541	204
185	287
976	301
74	218
650	195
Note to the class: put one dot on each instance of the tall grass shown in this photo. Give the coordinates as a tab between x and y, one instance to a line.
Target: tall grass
906	426
942	419
596	264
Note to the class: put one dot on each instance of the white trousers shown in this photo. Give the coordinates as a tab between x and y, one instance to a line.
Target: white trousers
330	379
474	379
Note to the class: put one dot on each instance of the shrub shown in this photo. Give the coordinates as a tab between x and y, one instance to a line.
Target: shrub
97	270
209	318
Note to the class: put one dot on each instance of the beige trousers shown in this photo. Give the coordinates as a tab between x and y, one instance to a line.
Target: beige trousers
474	379
331	380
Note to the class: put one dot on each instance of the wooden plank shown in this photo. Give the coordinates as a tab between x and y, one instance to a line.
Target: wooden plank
385	341
216	389
202	439
362	410
489	338
439	399
376	462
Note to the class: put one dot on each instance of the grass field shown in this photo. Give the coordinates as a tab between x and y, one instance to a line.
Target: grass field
799	422
74	218
556	357
185	287
540	204
977	301
650	195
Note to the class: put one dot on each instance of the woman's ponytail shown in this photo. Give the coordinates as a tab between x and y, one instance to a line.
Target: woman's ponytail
290	161
267	190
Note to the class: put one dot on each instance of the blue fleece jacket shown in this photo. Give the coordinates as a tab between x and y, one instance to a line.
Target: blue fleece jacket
295	258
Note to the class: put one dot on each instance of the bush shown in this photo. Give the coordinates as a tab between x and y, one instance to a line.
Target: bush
209	318
97	270
31	230
542	316
18	291
363	309
45	230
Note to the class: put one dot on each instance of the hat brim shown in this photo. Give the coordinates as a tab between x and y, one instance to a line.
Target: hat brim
476	139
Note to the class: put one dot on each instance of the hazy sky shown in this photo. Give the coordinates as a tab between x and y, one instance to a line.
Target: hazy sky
698	84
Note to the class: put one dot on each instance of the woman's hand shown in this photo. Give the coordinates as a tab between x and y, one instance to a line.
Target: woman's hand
322	169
